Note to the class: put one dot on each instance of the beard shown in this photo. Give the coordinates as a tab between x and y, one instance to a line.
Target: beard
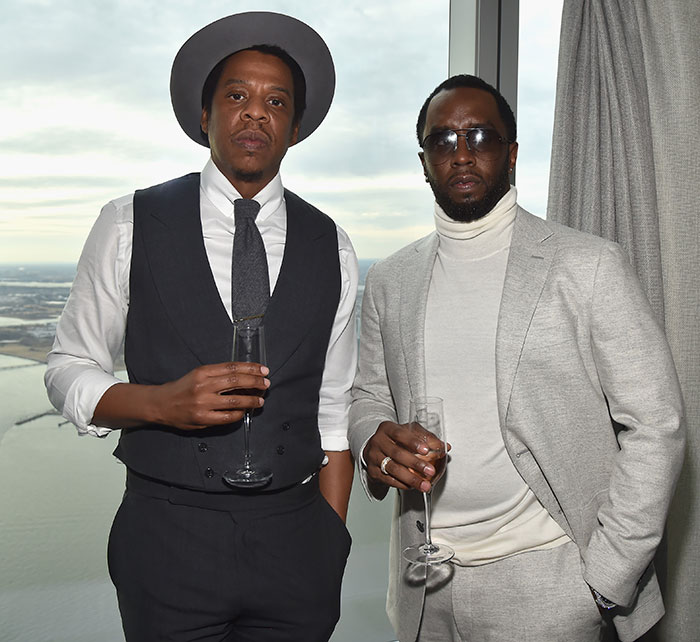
248	177
472	210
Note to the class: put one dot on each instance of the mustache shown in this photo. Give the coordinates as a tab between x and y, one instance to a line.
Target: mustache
252	134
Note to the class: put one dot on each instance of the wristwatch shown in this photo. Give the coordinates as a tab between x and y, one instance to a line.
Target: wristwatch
601	601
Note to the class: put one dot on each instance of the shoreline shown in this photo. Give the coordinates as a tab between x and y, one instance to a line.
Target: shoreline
30	353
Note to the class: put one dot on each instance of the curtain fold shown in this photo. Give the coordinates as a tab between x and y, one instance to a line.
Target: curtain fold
602	173
626	166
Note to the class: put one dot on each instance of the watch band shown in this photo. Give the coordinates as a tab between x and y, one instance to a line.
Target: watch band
601	601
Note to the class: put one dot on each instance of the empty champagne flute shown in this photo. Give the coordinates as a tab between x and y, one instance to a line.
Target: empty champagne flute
426	414
248	347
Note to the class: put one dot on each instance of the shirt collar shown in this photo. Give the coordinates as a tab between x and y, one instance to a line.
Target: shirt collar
217	188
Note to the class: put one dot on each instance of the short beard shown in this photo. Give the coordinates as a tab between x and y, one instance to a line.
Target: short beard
471	211
247	177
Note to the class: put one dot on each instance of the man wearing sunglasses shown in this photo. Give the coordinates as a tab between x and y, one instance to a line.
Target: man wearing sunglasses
561	404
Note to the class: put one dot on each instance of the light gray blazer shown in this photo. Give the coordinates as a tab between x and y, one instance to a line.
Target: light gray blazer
589	404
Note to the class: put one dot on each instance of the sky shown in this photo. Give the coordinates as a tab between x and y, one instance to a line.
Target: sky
87	118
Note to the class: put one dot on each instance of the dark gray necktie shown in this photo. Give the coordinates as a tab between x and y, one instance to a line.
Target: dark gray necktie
250	283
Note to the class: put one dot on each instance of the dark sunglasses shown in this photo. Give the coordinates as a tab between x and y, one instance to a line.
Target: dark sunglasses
440	146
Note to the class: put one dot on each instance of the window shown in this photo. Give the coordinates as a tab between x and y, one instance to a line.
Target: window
537	72
87	96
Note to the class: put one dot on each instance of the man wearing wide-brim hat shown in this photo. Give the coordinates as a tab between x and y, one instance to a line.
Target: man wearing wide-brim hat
196	551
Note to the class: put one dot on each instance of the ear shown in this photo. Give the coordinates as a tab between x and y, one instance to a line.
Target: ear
421	155
204	121
512	155
295	135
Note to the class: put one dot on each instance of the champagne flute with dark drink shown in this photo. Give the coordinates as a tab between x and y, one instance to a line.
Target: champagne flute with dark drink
248	347
426	414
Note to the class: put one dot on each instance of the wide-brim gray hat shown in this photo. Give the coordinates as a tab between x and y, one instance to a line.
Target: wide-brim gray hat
211	44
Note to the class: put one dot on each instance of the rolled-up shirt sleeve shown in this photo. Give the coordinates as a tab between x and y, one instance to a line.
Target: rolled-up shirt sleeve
341	357
90	331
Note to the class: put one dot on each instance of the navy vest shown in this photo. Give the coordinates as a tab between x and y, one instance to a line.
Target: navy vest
177	322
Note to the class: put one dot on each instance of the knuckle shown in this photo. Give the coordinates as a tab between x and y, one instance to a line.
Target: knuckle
395	452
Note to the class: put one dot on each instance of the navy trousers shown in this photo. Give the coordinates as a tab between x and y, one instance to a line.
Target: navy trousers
236	568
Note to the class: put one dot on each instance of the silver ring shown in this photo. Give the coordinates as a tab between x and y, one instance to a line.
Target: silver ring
382	466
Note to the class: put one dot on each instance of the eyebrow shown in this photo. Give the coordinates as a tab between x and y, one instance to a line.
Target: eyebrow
238	81
441	128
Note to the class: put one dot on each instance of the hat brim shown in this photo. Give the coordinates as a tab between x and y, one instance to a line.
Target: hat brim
211	44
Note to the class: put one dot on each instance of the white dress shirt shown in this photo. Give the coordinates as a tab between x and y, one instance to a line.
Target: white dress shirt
91	329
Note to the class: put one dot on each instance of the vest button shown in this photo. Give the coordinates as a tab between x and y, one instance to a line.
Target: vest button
280	450
286	426
209	472
202	447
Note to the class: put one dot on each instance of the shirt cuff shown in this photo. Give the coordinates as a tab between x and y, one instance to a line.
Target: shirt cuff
334	439
82	399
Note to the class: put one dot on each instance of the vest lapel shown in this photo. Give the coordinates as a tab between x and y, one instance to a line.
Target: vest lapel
178	262
296	298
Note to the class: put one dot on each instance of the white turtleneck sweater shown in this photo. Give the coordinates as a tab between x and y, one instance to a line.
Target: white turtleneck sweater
482	508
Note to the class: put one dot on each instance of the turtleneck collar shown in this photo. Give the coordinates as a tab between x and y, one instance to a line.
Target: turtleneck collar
481	238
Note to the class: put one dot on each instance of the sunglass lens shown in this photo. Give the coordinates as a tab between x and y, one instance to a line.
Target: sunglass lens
441	144
484	141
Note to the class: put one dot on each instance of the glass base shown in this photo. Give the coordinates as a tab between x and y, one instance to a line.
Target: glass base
428	554
248	478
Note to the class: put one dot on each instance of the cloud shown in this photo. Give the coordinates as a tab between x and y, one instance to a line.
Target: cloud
85	89
54	181
53	203
70	140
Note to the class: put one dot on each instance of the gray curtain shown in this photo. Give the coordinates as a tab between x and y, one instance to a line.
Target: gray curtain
625	165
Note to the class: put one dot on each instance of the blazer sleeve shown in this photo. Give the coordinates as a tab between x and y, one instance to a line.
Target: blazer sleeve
638	378
372	401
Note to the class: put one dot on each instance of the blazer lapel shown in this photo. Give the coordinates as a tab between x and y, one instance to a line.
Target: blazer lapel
415	284
528	265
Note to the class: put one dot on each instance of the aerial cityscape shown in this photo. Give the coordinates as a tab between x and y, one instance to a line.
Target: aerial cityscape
31	299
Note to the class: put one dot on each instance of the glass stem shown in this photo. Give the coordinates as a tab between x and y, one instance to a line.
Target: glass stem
246	438
426	501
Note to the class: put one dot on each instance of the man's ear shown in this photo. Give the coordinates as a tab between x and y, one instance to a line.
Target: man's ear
204	121
513	155
295	135
421	155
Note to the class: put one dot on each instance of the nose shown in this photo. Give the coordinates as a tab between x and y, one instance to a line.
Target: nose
462	155
255	109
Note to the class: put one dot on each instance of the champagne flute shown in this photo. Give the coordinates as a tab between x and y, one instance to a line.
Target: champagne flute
249	347
426	414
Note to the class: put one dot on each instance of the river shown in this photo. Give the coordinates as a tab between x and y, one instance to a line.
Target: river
59	495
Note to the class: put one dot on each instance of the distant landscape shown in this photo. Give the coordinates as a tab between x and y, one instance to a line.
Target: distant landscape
31	300
32	297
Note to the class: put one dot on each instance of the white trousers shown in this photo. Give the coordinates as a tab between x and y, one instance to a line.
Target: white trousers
539	596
